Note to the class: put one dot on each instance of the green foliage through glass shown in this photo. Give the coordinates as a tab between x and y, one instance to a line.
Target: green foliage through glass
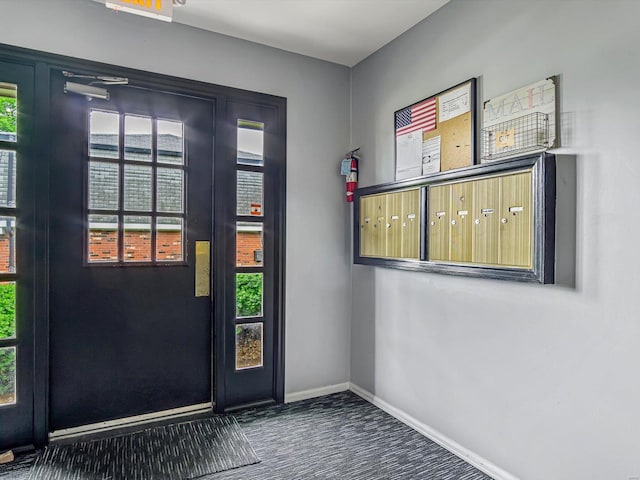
7	375
8	115
248	294
7	310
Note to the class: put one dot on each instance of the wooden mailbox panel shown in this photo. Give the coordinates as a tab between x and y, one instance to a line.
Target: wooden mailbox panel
494	220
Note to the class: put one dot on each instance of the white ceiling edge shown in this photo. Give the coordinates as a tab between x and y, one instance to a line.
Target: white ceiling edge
339	31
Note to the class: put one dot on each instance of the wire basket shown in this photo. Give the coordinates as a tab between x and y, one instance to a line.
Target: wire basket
529	133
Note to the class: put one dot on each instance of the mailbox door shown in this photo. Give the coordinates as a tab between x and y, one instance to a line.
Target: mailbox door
393	224
486	220
367	246
516	220
410	222
438	222
379	230
461	221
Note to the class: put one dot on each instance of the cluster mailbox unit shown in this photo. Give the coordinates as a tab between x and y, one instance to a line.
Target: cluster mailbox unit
493	220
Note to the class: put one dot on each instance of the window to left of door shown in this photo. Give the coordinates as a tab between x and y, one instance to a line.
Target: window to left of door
8	166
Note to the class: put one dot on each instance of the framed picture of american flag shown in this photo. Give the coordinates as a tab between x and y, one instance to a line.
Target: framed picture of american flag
438	133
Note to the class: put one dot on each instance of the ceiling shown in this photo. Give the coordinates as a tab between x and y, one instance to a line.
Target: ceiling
339	31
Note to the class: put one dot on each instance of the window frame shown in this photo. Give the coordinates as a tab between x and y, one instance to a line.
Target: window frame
121	212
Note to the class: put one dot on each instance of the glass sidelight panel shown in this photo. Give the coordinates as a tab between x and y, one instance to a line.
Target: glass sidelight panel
250	143
249	294
249	346
169	239
170	193
103	238
7	376
137	138
7	310
137	239
137	188
8	112
7	244
249	244
104	134
170	142
250	188
7	177
104	185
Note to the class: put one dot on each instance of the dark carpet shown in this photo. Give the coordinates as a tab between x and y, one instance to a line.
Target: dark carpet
338	437
182	451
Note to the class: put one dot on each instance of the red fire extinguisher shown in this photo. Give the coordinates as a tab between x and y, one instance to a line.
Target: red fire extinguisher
352	175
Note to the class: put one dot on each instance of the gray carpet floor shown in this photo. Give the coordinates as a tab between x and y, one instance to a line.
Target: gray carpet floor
339	436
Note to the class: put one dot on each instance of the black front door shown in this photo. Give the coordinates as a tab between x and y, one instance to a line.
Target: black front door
131	203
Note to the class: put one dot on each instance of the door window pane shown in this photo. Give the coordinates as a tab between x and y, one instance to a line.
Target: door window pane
250	142
169	239
7	310
137	138
104	134
249	244
126	197
103	238
7	376
7	244
7	178
170	191
248	294
249	193
137	239
170	142
249	346
137	188
103	185
8	112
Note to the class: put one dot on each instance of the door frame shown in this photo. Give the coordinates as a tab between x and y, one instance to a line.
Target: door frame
224	153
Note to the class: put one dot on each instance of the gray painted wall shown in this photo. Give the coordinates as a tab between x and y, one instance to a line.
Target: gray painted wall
318	270
540	380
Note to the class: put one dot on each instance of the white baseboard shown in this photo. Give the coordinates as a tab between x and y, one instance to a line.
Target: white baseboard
316	392
458	450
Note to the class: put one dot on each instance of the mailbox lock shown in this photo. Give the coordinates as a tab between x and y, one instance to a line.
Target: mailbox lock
453	222
433	223
504	220
477	222
404	224
388	225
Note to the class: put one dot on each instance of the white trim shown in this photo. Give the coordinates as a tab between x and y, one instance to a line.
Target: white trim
458	450
130	421
316	392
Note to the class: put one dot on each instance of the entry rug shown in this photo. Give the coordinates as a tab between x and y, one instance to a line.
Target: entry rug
173	452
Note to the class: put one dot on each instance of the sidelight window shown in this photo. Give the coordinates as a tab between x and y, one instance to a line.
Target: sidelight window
250	266
8	222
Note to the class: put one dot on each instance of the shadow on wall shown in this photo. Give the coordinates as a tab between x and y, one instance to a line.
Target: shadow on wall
363	328
566	208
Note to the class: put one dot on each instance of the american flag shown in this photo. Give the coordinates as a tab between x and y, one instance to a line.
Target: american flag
421	116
